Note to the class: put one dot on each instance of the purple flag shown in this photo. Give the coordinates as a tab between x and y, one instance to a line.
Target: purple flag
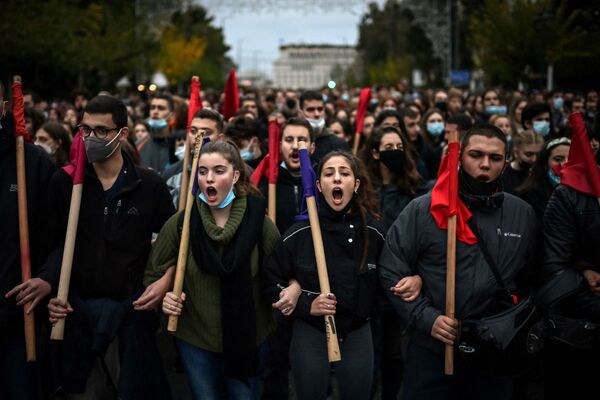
309	179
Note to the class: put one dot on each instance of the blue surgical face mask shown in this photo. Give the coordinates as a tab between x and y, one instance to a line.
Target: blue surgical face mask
541	127
157	123
246	154
498	110
558	103
554	179
435	128
226	201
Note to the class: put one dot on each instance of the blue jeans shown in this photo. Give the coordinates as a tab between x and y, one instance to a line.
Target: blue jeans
206	376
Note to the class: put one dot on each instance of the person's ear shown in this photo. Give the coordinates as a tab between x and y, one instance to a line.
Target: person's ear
527	124
375	154
356	185
319	186
311	148
124	133
220	136
236	176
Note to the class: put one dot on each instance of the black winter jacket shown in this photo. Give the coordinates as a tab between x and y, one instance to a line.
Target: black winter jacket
114	232
326	142
415	245
289	197
571	244
355	291
38	171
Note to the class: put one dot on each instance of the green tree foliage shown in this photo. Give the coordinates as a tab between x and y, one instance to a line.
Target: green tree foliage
213	64
391	45
517	40
57	45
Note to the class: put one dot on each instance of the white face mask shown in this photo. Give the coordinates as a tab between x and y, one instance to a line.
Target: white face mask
317	124
180	152
46	147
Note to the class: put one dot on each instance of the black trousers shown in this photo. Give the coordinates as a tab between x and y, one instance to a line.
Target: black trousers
424	378
570	373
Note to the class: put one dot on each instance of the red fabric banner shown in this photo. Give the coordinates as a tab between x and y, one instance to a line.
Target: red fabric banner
445	201
361	110
195	102
581	172
78	160
231	100
18	110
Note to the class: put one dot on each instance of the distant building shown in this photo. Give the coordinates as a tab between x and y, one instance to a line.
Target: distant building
302	66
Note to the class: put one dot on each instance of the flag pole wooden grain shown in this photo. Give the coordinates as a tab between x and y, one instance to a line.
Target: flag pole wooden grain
185	177
185	235
333	346
58	329
356	143
450	274
272	204
28	319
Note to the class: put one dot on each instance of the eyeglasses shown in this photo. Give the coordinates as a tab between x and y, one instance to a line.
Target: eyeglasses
100	131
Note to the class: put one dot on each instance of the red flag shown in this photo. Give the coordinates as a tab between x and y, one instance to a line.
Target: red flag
445	201
18	111
269	166
231	100
581	172
273	151
76	169
363	103
195	101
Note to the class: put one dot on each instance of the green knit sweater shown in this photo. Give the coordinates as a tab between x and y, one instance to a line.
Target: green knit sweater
200	321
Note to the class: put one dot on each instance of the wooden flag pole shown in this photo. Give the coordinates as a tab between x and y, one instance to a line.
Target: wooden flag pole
333	346
58	329
272	205
451	275
28	319
185	177
356	142
185	235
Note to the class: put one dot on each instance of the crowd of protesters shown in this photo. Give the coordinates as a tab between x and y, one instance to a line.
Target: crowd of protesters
252	310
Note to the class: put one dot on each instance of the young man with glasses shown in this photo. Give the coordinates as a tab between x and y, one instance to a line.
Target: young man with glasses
110	319
155	152
312	107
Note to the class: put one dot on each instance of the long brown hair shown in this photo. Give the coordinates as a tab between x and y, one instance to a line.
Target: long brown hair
365	196
410	181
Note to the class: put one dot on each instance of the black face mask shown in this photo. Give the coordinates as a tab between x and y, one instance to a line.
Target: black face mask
290	103
393	160
475	186
442	106
525	166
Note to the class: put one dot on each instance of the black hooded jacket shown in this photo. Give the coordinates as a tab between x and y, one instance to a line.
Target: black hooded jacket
38	171
571	243
289	197
416	245
114	232
355	290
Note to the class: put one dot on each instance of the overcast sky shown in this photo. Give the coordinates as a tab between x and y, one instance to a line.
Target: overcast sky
254	29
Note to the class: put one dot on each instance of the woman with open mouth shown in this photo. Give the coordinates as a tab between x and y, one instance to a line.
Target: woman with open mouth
223	319
353	240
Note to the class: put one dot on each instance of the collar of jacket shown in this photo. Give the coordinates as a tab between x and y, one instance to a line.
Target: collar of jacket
473	201
132	180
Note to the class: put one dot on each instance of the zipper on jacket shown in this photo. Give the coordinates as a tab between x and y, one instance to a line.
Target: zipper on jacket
296	199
